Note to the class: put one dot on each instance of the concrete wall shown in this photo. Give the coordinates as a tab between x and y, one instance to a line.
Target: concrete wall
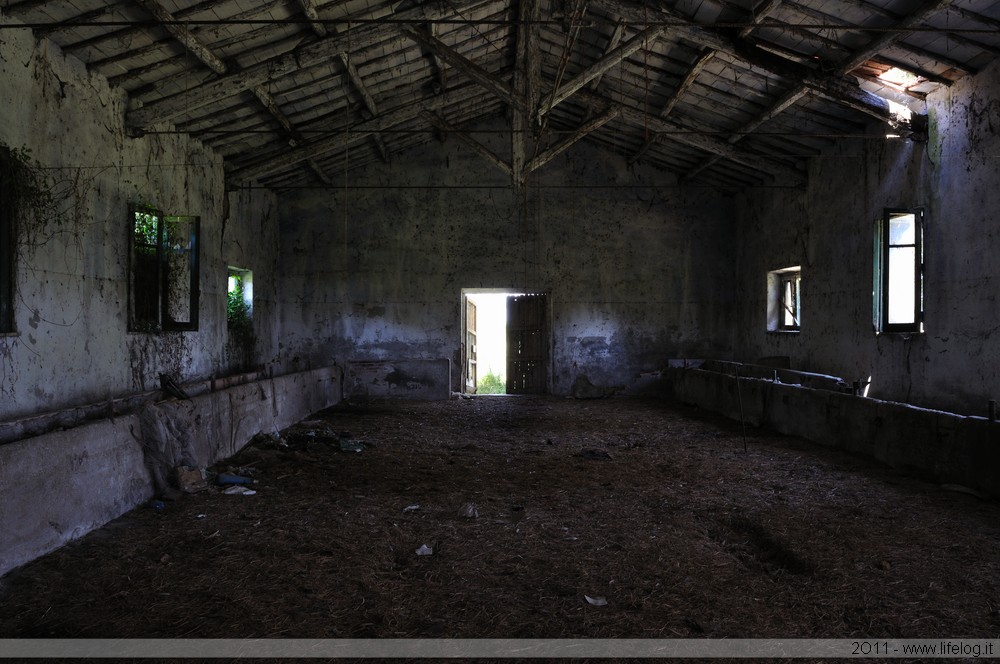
60	486
828	230
71	345
934	445
635	270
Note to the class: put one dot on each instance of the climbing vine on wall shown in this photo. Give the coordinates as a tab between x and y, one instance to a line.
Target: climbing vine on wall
40	204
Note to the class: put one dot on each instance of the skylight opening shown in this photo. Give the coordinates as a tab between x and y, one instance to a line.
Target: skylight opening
899	77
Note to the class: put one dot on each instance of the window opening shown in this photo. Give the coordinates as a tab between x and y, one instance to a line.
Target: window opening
898	276
6	242
164	271
784	300
239	300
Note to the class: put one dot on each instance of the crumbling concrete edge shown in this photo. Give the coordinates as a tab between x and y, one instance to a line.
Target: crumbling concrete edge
57	487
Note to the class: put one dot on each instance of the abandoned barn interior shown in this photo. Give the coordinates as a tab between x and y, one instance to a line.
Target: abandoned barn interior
219	217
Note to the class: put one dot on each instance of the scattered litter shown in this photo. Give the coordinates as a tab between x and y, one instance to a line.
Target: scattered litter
348	445
596	601
158	505
468	511
238	490
593	455
425	550
200	516
165	558
190	480
226	478
411	508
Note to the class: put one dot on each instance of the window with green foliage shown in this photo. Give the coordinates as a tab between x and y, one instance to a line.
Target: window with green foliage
239	301
6	242
163	293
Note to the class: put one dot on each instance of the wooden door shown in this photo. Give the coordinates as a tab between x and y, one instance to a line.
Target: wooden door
471	369
527	345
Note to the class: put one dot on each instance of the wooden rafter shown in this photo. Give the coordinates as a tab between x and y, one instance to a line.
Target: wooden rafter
484	78
527	84
367	99
692	75
349	135
548	155
698	140
182	34
206	56
616	38
598	68
475	145
309	9
275	67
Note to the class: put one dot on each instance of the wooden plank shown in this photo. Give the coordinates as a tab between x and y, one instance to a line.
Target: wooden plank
705	142
527	83
598	68
466	66
278	66
359	131
548	155
616	38
309	9
476	146
183	35
759	13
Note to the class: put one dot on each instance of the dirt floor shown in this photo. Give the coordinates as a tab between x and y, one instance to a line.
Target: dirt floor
531	506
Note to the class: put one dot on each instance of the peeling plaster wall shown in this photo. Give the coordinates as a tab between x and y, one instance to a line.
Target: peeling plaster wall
636	271
71	345
828	229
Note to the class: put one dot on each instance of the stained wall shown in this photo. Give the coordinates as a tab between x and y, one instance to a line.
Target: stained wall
636	270
828	227
71	344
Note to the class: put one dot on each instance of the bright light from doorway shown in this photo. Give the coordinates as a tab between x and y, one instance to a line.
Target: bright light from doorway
491	336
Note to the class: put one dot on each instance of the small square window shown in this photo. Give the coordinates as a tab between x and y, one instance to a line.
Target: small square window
163	271
239	300
897	290
784	299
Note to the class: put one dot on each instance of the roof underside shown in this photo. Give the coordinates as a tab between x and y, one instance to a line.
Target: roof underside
730	93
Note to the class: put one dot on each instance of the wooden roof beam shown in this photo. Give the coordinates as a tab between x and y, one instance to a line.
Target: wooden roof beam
475	145
182	34
689	79
466	66
348	135
704	142
305	56
612	112
309	9
527	84
611	59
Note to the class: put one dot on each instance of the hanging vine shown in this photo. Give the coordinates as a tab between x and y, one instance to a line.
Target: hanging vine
39	204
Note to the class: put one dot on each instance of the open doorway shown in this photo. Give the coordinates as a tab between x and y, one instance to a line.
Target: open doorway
504	342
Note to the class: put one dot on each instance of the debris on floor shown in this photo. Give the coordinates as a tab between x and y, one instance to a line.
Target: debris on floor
685	536
593	455
190	480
